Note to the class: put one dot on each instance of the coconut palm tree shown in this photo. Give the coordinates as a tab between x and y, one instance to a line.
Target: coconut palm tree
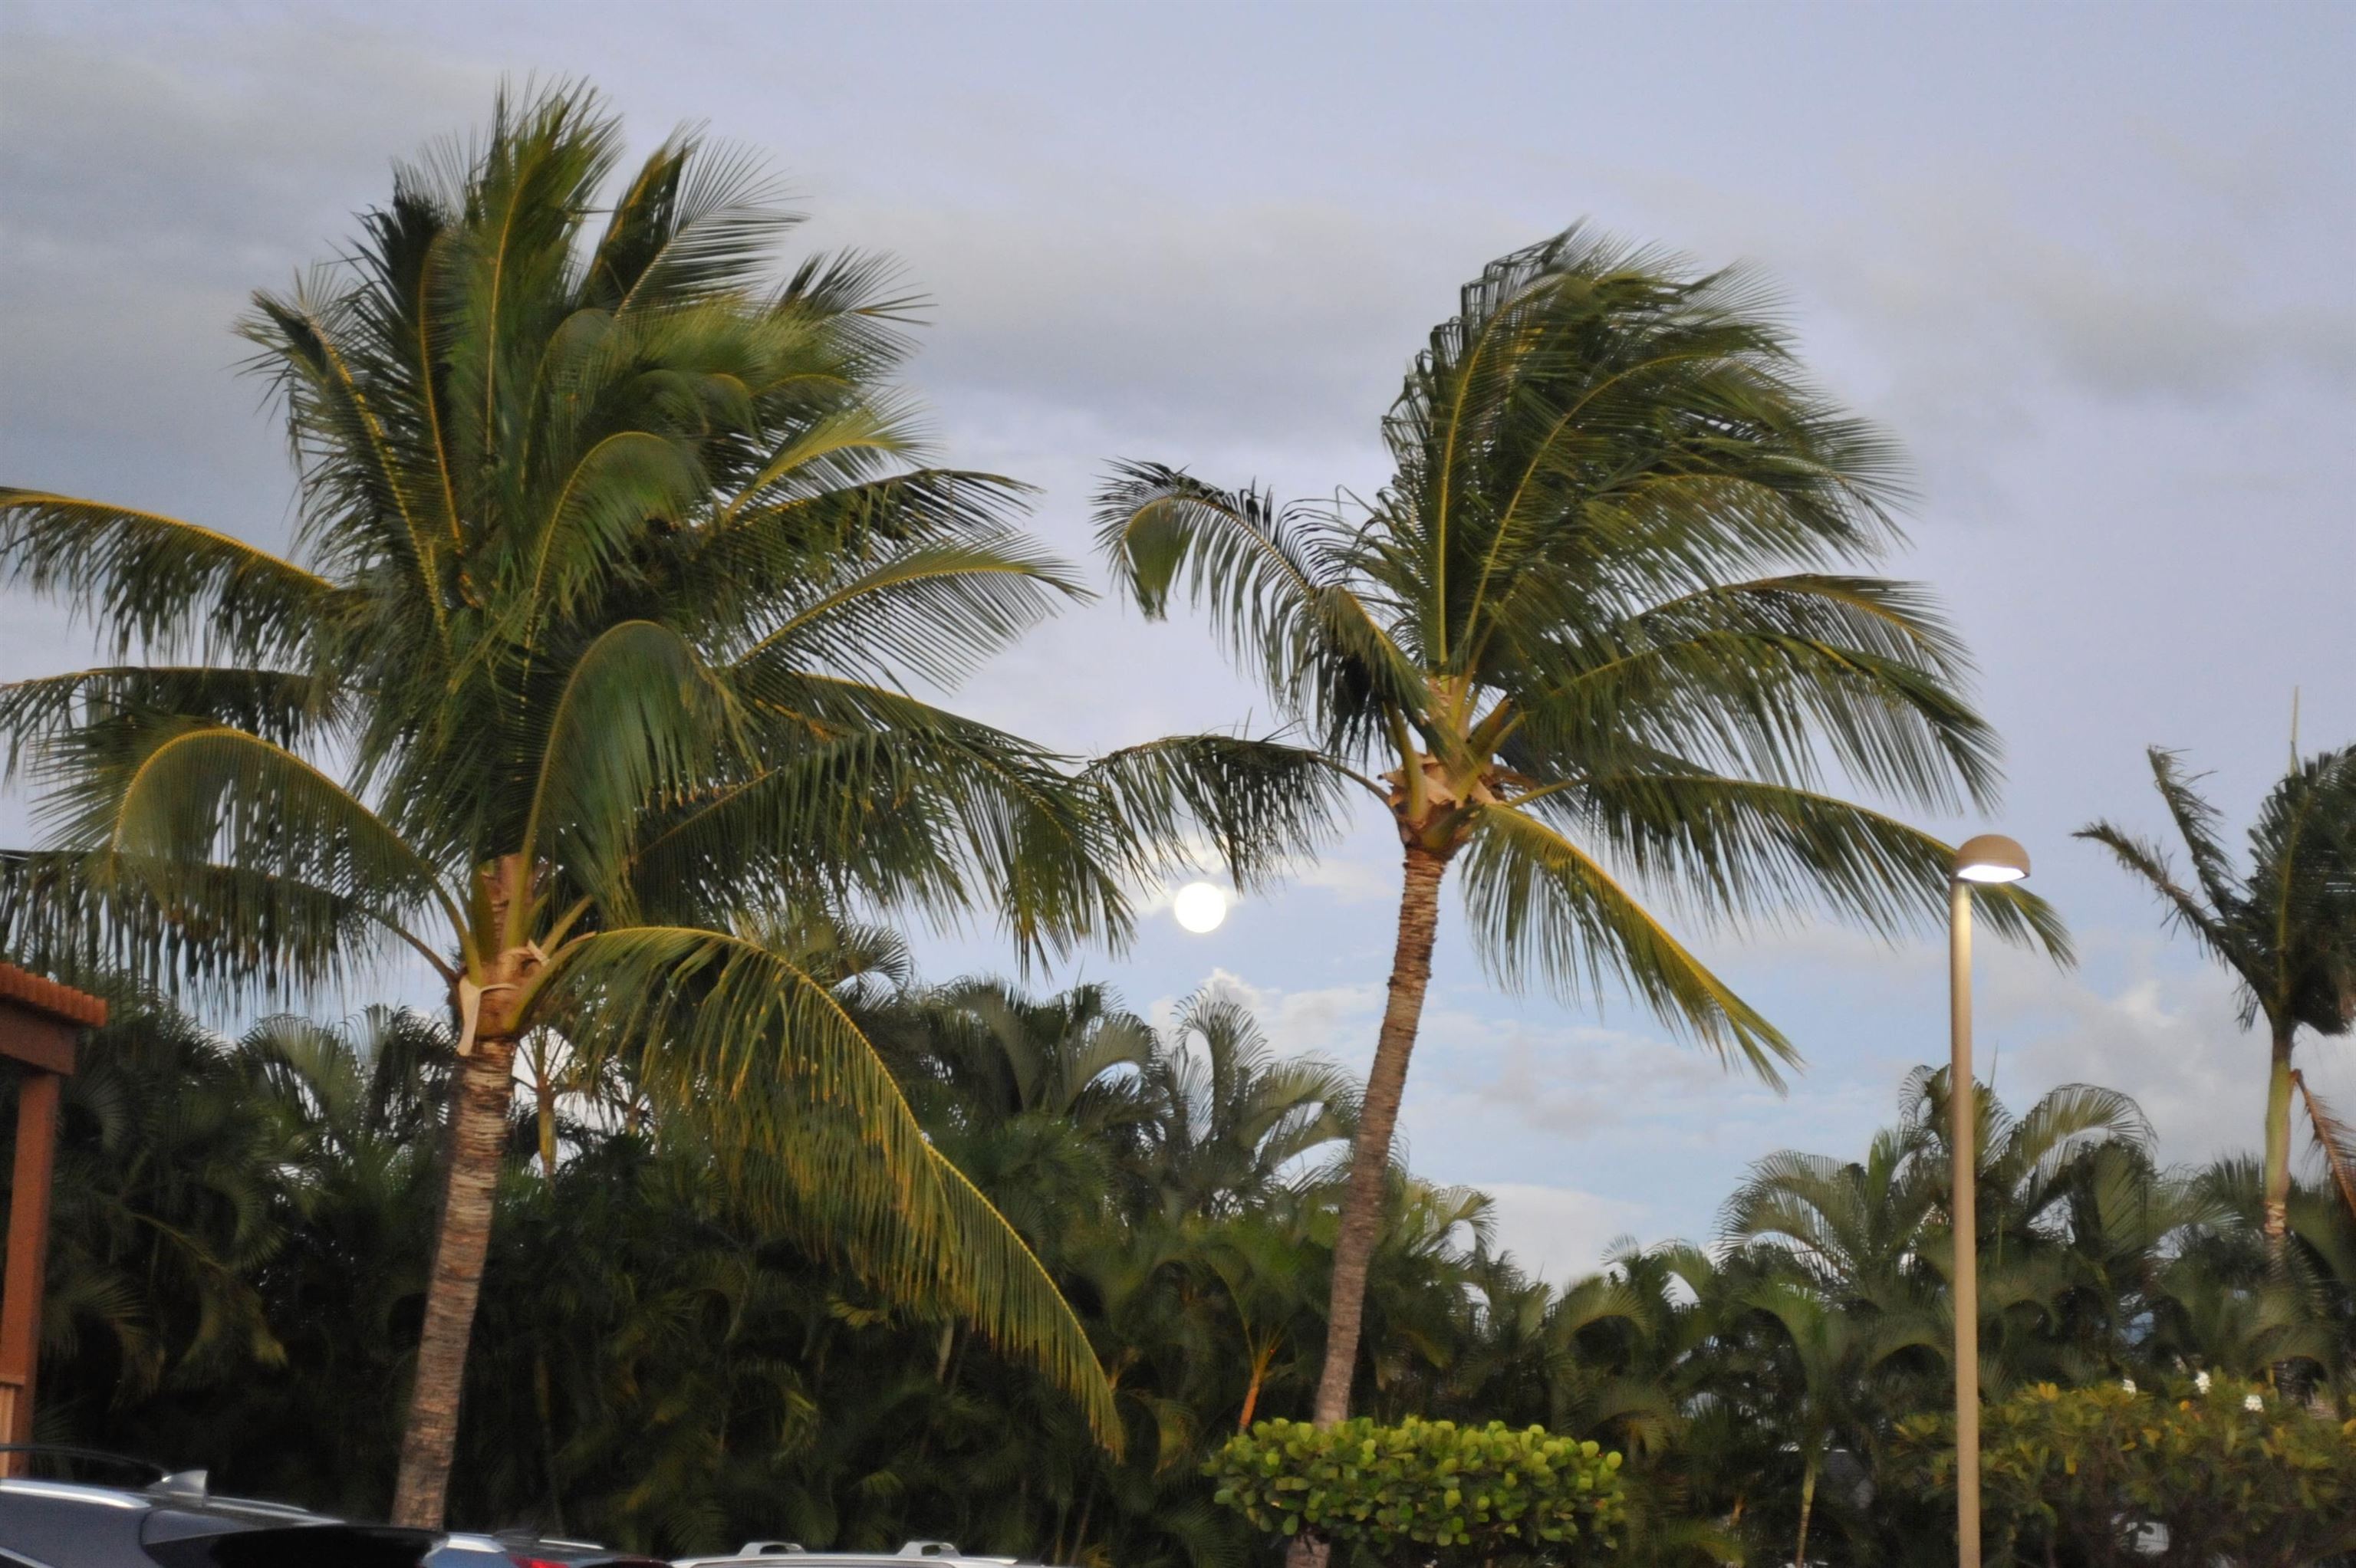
1596	615
2285	926
587	686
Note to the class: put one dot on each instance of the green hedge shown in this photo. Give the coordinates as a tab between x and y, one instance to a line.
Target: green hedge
1475	1491
2231	1468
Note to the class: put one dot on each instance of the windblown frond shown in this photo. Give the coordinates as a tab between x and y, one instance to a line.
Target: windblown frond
157	581
1545	910
736	1034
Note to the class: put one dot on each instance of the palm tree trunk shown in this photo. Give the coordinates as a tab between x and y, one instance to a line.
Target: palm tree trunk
2277	1198
1362	1202
1807	1505
1262	1358
478	1130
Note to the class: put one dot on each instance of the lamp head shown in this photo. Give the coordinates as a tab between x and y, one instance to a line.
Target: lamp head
1990	857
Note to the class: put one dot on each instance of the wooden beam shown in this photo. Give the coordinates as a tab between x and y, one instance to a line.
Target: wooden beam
28	1244
39	1042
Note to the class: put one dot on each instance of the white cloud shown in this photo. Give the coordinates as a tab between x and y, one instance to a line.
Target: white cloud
2169	1037
1351	880
1560	1232
1336	1021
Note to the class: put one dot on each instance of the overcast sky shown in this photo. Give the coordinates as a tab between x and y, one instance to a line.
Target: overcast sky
2095	264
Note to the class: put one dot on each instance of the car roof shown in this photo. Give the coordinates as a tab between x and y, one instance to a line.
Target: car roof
144	1498
787	1551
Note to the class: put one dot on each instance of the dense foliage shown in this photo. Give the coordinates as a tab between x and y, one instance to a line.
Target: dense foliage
2206	1469
1423	1490
242	1231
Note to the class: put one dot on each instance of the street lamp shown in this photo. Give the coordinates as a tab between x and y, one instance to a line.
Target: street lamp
1989	859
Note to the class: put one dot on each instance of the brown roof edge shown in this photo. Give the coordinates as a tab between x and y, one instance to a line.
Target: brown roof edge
62	1003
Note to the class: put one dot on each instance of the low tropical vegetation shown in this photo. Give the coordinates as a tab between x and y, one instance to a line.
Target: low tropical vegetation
245	1226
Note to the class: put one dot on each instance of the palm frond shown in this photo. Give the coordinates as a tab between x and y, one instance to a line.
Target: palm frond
1773	677
635	726
1263	804
1732	847
222	933
2336	1140
1544	908
1273	581
913	807
188	801
738	1033
931	612
155	581
695	221
283	707
2147	861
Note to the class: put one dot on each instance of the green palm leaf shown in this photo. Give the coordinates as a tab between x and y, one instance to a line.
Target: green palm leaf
819	1127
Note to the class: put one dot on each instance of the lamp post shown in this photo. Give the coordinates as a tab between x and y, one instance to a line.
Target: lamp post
1989	859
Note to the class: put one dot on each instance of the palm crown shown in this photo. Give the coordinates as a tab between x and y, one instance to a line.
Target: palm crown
1572	623
585	684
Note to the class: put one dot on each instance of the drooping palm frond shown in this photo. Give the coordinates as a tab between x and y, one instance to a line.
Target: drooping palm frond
2334	1137
1718	846
202	800
153	581
732	1032
1262	804
285	707
219	933
1544	909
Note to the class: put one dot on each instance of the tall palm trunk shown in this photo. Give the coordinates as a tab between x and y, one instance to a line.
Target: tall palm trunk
1361	1205
2277	1199
1362	1202
478	1130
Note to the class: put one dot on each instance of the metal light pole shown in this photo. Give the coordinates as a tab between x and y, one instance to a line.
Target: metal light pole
1990	857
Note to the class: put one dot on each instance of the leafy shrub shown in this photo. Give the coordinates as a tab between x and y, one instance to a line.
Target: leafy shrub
1471	1491
2226	1468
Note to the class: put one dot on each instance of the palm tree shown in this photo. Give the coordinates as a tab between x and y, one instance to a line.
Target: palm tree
1825	1360
585	686
1594	615
2286	927
1234	1122
1872	1234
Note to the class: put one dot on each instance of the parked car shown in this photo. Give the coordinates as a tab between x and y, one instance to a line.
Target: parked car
522	1549
774	1552
147	1518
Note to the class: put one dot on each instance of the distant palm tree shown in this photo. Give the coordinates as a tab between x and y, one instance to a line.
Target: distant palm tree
1825	1361
1593	616
2286	927
588	690
1232	1120
1873	1235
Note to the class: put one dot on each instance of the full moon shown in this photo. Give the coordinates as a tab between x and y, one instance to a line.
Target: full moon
1200	906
